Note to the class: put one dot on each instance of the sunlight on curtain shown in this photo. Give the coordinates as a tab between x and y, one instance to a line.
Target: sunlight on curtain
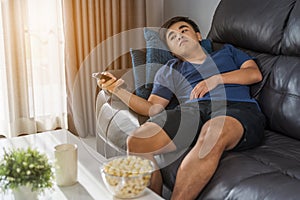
3	107
32	77
99	35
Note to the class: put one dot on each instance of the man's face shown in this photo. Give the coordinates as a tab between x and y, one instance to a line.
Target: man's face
182	39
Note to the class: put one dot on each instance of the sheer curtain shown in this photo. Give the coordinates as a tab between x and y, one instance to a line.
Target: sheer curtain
32	78
99	34
46	65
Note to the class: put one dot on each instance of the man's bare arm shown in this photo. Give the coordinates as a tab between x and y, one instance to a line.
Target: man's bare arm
150	107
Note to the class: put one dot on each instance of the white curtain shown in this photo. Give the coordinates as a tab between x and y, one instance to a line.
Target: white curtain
32	77
33	91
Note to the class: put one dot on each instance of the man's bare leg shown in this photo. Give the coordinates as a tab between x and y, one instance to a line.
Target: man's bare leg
201	162
148	140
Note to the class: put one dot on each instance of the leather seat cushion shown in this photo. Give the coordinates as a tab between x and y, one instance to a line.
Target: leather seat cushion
271	171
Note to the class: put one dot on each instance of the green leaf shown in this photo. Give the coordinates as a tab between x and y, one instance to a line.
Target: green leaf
25	167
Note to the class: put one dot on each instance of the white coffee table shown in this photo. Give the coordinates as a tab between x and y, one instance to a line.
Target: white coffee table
90	185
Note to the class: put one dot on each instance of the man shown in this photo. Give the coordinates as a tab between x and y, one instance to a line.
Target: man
216	112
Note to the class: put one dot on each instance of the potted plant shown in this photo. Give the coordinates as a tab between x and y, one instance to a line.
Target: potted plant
25	169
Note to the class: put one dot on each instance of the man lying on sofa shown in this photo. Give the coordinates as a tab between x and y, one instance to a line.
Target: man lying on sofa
216	112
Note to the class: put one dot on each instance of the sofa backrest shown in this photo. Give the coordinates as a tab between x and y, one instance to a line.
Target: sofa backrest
270	31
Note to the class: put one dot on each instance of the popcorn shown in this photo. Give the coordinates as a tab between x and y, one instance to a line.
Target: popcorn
127	176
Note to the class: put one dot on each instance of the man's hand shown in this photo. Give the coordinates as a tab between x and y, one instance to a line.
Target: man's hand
205	86
111	84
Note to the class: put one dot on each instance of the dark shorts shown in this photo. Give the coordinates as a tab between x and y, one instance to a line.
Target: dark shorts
183	124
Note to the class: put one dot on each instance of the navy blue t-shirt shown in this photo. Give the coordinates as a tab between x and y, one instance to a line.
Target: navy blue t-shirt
180	77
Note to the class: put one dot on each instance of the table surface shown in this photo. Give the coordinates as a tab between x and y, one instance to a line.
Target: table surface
89	185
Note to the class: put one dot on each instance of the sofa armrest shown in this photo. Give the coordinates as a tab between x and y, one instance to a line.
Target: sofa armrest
114	121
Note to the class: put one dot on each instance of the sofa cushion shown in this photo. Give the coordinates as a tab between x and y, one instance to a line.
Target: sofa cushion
157	54
280	98
234	23
271	171
138	58
291	38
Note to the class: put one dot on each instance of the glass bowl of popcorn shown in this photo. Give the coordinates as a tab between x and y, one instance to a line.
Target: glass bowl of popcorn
127	176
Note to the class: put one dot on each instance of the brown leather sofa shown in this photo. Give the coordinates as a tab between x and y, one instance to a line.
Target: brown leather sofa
270	31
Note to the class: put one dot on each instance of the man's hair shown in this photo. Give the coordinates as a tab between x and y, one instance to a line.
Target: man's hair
173	20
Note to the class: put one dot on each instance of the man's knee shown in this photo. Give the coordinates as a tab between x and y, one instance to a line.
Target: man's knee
209	145
149	138
211	134
136	139
133	143
142	139
218	135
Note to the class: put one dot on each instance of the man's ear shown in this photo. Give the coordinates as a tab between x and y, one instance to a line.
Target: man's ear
199	36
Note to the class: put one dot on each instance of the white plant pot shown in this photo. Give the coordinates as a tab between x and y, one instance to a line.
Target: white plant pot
24	192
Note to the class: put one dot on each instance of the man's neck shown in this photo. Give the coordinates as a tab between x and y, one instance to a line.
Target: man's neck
197	56
197	60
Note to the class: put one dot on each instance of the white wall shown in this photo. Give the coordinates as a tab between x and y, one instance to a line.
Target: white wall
201	11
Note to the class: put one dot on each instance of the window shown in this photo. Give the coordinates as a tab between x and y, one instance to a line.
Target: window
43	101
